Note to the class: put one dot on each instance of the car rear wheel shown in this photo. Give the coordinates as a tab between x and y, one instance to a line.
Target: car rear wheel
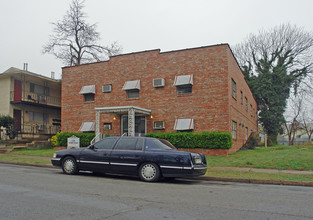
69	166
149	172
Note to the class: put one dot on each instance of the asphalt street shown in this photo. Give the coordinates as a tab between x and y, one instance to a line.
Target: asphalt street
44	193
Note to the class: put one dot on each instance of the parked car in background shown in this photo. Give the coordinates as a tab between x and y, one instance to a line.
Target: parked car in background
148	158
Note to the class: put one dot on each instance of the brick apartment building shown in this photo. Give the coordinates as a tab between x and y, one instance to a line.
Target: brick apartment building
198	89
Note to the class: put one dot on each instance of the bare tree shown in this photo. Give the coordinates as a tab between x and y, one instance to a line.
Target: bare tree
75	42
274	62
292	124
307	123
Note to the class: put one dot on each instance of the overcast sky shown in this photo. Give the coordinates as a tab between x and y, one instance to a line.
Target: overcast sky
140	25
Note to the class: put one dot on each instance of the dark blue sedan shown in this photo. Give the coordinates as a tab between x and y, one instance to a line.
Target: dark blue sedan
148	158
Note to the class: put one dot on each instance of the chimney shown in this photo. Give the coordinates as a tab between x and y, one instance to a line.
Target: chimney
25	67
52	75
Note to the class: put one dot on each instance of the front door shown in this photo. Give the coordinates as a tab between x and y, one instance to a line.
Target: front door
17	115
140	125
17	90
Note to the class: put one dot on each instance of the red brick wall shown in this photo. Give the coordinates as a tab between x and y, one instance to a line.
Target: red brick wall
210	104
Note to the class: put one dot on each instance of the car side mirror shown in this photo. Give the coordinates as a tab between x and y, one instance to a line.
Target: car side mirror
92	147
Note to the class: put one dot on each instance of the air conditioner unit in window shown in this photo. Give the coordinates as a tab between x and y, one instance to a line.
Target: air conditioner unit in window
158	83
157	125
107	88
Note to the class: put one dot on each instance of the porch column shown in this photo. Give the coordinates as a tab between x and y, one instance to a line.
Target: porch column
131	122
97	126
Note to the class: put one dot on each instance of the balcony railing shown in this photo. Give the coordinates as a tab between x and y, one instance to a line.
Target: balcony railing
34	98
34	129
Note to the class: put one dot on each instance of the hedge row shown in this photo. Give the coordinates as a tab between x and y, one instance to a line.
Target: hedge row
60	139
207	140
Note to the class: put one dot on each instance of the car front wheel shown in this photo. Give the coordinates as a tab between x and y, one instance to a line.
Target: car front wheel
149	172
69	166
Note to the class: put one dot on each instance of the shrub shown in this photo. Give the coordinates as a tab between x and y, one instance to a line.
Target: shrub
85	138
207	140
54	140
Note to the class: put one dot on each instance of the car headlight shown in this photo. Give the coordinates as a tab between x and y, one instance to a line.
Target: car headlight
55	155
196	158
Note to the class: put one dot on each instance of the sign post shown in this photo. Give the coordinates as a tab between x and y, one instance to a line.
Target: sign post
73	142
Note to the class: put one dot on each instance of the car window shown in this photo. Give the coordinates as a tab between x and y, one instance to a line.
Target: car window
158	144
127	144
106	143
140	143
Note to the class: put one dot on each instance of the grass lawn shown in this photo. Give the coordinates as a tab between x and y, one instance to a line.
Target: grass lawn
34	152
263	176
278	157
25	160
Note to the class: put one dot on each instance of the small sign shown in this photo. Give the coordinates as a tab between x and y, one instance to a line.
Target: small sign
73	142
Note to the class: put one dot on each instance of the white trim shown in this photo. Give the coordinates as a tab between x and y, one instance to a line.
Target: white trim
124	164
56	159
86	161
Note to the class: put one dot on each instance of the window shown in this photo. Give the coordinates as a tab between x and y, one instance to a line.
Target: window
246	134
107	126
251	109
38	116
234	128
246	103
241	97
128	143
233	87
89	97
41	90
184	84
158	144
88	92
133	93
106	143
185	89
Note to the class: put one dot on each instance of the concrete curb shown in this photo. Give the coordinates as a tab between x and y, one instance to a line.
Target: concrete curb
203	178
27	164
256	181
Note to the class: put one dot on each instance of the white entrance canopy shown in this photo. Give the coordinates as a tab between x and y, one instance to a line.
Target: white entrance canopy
130	110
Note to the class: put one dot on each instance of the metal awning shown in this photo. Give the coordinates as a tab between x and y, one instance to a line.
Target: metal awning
87	126
88	89
183	80
183	124
123	110
129	85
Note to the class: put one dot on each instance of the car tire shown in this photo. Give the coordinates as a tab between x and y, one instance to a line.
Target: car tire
69	166
149	172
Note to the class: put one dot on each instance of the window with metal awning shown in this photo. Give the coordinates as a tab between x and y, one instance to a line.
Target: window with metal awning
132	89
184	124
130	85
183	84
91	89
87	126
183	80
